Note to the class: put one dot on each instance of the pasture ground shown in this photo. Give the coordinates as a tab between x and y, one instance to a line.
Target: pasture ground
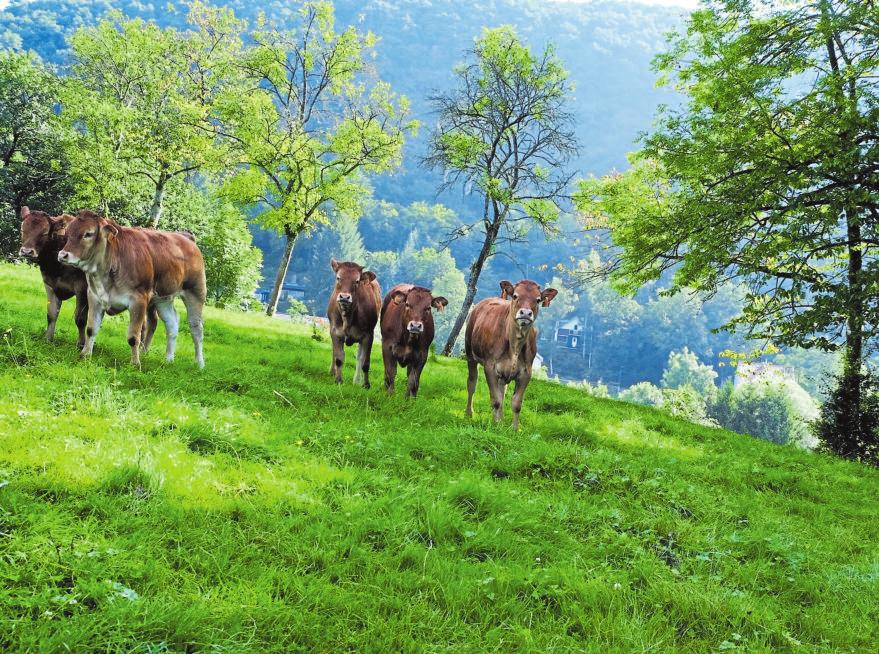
258	507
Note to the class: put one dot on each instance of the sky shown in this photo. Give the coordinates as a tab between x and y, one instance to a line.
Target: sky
688	4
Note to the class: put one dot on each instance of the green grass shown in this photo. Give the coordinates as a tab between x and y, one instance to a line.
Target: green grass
258	507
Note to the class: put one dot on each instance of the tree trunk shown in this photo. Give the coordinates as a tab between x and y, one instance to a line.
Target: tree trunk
282	272
157	206
475	271
854	338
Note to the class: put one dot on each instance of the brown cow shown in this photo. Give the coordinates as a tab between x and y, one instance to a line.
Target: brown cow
353	313
407	332
135	269
42	237
501	336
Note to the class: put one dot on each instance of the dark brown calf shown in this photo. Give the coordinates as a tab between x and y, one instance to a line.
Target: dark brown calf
353	313
42	237
501	336
407	332
136	269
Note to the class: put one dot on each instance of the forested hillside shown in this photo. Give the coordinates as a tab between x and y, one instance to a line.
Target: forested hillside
403	232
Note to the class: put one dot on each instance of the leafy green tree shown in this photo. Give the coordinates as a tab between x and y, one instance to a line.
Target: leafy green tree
505	132
141	106
387	226
351	246
684	369
766	173
312	128
232	263
33	165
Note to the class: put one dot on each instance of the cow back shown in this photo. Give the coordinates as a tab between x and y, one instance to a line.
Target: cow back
164	263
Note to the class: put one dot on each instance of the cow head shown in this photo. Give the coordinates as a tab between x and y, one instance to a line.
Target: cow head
526	298
417	303
37	229
87	237
349	276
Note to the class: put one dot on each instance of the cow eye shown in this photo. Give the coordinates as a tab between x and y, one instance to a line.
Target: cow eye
88	234
515	296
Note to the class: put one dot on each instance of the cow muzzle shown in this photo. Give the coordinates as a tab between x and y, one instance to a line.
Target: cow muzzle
415	327
524	317
66	257
30	253
346	301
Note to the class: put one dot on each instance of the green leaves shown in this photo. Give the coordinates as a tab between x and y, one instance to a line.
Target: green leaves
765	173
142	105
314	123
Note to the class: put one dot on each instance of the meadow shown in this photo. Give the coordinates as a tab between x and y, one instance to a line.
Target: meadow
255	506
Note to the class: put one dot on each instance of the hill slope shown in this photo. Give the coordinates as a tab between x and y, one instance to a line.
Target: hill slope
258	507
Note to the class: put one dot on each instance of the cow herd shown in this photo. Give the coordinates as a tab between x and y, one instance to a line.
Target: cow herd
109	268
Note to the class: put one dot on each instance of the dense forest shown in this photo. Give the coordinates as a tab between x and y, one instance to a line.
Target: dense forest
406	222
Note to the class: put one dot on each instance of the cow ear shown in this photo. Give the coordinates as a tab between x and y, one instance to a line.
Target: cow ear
368	277
506	290
548	296
58	224
25	212
110	231
439	303
398	297
334	264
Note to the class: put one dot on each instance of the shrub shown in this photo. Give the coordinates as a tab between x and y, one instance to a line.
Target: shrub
296	309
848	424
595	390
686	403
643	393
776	411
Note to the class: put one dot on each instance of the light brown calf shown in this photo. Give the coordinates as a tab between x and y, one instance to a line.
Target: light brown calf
135	269
501	336
407	332
353	311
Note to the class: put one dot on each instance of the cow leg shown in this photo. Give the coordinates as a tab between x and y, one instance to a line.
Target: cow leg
390	366
93	326
364	350
496	390
137	311
169	316
338	357
519	395
53	308
194	305
149	328
472	377
414	379
81	316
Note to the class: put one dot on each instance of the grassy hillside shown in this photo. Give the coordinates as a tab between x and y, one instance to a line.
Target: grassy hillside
257	507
